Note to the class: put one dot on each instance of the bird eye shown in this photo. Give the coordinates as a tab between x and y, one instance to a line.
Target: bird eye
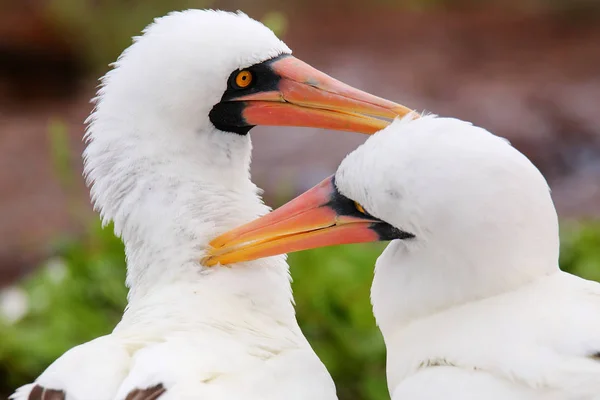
243	79
360	208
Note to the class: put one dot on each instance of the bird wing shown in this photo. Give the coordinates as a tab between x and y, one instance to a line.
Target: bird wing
220	367
91	371
543	336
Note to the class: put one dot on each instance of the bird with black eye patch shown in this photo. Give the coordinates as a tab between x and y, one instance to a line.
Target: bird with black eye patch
167	159
468	295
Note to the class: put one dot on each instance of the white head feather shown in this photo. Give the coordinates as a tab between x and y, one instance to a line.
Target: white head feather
481	212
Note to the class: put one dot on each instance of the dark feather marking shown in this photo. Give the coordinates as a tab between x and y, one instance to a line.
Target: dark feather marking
151	393
51	394
40	393
36	393
436	362
596	356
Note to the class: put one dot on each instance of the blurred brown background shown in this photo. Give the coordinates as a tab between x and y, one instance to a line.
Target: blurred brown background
526	70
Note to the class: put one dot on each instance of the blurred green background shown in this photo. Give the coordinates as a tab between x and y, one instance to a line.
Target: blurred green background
526	70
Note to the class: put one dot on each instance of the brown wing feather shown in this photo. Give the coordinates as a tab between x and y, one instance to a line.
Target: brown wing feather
40	393
151	393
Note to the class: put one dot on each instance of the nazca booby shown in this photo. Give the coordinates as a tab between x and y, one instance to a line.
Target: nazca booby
167	159
468	295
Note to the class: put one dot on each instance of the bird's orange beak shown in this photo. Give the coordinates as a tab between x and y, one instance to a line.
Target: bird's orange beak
320	217
304	96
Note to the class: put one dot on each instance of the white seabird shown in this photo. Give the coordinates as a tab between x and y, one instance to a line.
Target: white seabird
468	295
167	159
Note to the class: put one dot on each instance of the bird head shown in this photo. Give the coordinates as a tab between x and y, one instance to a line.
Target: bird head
202	70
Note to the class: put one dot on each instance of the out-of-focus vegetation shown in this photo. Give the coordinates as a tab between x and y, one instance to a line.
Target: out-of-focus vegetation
77	295
80	294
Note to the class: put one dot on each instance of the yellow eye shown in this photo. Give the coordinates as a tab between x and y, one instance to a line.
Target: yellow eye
243	79
359	208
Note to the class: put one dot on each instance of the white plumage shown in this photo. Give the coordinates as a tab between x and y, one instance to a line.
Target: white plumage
475	306
171	181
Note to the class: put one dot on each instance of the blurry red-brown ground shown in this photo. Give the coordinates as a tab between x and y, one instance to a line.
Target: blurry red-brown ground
533	78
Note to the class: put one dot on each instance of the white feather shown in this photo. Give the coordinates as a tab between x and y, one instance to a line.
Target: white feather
474	306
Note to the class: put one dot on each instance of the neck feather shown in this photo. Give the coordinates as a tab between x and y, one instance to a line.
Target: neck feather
167	201
412	283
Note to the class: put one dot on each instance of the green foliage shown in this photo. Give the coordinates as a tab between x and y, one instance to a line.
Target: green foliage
71	299
276	21
580	250
80	295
